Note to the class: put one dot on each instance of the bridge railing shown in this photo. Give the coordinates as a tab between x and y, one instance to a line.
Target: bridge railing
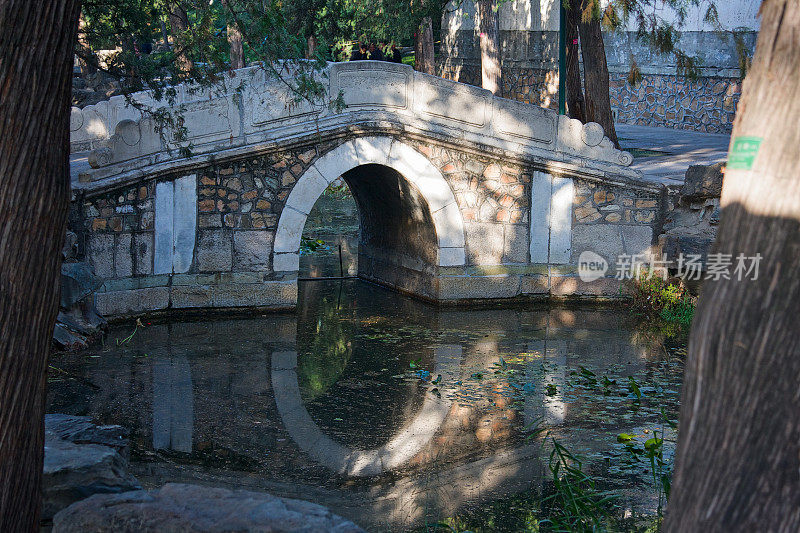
253	109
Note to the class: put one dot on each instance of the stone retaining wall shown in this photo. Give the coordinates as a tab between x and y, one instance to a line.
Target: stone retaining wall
668	101
529	61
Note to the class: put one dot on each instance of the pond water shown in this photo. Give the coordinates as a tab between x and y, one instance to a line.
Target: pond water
392	412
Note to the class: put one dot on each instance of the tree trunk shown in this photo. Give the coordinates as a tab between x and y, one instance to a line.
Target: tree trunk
423	47
738	457
311	47
179	24
164	34
87	68
488	26
36	50
236	48
573	74
595	77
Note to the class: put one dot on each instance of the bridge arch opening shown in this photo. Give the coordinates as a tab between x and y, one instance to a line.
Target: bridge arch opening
409	221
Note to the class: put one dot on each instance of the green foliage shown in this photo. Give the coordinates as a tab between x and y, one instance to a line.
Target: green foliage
576	504
324	355
199	54
310	245
664	302
338	192
344	22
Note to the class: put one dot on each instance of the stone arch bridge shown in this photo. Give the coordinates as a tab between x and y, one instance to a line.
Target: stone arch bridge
462	195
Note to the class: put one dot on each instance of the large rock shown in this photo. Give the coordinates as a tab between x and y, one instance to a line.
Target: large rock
702	182
78	281
73	472
78	320
81	430
690	222
179	507
81	459
67	339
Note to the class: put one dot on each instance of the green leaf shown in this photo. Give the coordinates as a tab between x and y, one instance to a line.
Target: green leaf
624	437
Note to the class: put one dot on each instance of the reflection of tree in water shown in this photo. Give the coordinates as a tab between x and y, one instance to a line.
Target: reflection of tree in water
351	358
324	348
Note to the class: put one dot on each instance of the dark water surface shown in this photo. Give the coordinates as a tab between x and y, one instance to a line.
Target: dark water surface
390	411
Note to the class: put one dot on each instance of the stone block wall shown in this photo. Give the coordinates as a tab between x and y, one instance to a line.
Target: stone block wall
706	104
613	221
662	100
529	62
237	209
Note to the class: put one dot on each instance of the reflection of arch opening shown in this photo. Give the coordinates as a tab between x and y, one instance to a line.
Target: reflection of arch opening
399	450
410	222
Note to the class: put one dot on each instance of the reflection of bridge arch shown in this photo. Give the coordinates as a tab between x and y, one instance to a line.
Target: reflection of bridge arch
429	187
399	450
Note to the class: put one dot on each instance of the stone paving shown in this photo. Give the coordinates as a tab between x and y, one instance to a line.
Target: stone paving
682	149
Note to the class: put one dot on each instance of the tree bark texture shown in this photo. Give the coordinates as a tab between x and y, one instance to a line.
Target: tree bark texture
573	83
423	47
311	47
179	24
236	48
738	457
86	67
488	26
36	51
595	78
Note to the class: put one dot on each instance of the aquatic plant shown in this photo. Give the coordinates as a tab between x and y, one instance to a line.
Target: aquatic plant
666	305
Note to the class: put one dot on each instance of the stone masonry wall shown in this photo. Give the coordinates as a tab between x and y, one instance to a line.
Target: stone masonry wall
228	259
529	62
706	104
493	197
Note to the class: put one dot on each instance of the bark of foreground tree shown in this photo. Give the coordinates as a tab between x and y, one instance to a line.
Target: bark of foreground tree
488	18
738	457
36	50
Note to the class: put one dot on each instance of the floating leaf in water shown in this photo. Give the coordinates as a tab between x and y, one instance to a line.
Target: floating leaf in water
634	388
551	389
413	364
624	437
437	380
652	445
